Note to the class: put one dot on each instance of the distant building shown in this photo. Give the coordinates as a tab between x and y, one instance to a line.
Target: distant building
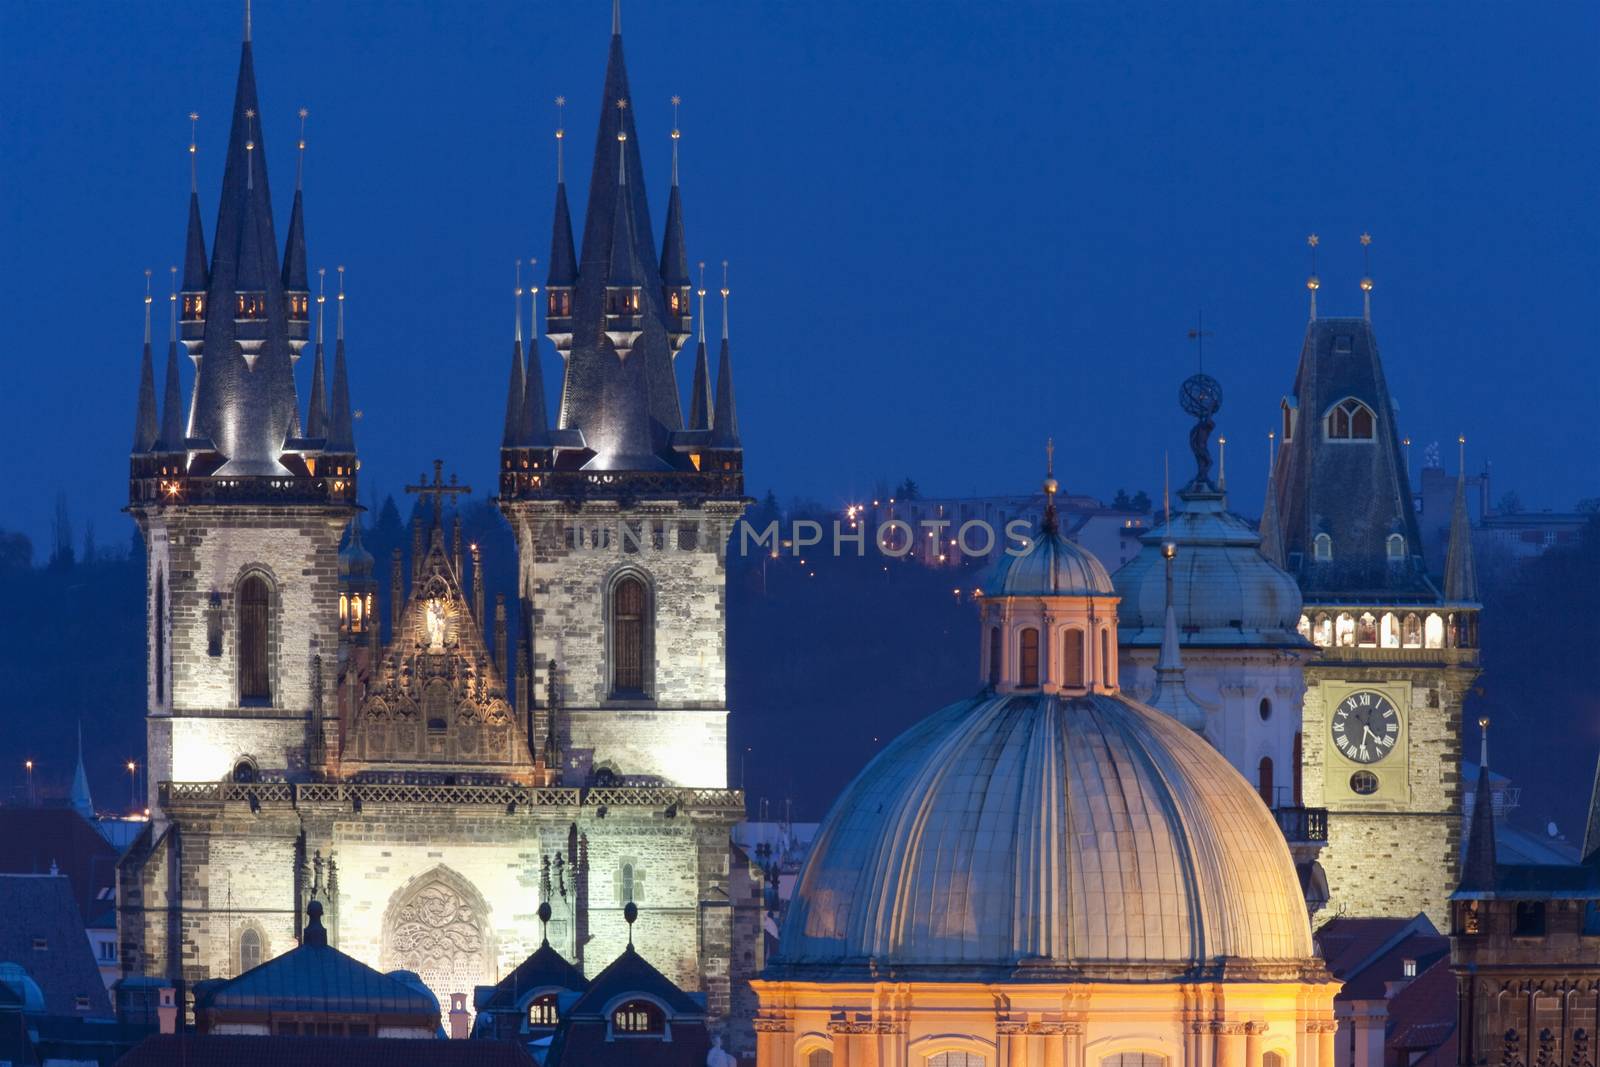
1397	1004
1525	948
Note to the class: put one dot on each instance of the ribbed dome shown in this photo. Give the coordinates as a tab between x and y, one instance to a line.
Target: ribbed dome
1088	833
1224	591
1051	566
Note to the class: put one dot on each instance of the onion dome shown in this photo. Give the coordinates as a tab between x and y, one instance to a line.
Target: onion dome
1017	834
354	559
1225	593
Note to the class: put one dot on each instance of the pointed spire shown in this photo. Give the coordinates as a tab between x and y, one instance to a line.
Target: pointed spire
511	436
674	254
1460	573
1050	523
1366	277
1271	529
82	802
616	18
1313	283
341	428
195	275
171	437
294	249
1478	869
535	425
563	253
725	420
145	425
317	408
700	390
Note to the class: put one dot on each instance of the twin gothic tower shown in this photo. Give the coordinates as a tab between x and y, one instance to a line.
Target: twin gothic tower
448	776
619	507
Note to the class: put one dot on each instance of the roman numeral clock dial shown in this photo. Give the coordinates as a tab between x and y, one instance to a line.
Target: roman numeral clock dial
1365	726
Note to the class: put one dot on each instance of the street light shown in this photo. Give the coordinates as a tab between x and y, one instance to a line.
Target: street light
133	786
29	765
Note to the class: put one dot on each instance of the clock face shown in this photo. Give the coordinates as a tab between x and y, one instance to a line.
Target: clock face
1365	726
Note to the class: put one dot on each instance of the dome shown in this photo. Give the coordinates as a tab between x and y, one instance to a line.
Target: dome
16	978
354	559
1051	566
1224	591
1089	834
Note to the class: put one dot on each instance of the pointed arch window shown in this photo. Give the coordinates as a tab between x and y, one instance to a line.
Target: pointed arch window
249	950
628	636
1072	659
1028	658
1351	420
254	607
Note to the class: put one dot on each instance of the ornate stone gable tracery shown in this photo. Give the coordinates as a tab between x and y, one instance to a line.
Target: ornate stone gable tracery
435	699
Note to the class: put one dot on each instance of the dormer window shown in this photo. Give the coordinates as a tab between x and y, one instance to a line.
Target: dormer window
1322	548
1342	344
542	1010
1288	421
638	1017
1396	546
1350	420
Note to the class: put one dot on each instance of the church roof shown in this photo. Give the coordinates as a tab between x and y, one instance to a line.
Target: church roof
1226	593
628	974
240	1050
545	969
1052	565
314	977
42	932
1357	491
1012	833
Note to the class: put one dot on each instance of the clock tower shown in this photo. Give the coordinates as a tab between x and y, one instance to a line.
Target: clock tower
1382	713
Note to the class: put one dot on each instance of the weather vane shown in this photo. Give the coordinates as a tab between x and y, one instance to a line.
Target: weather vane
1198	335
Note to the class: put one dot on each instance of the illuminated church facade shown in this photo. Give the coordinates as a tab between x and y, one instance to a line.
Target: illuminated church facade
431	792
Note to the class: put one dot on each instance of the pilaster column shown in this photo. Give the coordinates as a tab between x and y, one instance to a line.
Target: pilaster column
1252	1043
1013	1036
1229	1043
1325	1029
1072	1044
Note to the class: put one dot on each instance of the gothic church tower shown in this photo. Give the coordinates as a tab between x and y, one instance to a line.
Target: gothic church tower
621	511
1382	714
241	503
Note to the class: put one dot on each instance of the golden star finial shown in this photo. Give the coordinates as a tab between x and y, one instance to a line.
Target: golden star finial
1366	239
1313	240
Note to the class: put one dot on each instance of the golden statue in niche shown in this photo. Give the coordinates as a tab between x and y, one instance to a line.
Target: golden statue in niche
435	620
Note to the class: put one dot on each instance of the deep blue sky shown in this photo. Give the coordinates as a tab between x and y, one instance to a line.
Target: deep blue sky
955	228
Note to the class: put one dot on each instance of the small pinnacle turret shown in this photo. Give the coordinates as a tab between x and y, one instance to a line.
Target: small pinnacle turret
170	439
341	421
145	424
317	407
674	254
725	421
515	387
1271	530
533	424
700	390
1460	573
1478	866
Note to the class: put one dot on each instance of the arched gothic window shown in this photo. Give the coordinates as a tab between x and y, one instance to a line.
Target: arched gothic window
628	637
1072	659
249	949
1028	657
1264	780
254	602
1350	420
994	659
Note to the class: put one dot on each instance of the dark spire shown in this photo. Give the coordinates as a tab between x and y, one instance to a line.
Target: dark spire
341	424
1271	530
725	422
535	425
700	391
563	254
314	934
245	400
171	437
1460	574
145	425
516	387
1477	872
295	278
674	252
195	274
317	408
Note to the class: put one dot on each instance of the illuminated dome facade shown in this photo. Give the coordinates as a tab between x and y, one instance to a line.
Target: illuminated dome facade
1048	873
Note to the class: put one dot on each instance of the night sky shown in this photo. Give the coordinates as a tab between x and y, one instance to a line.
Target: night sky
954	228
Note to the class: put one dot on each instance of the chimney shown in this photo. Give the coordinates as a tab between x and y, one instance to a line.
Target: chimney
459	1019
167	1010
